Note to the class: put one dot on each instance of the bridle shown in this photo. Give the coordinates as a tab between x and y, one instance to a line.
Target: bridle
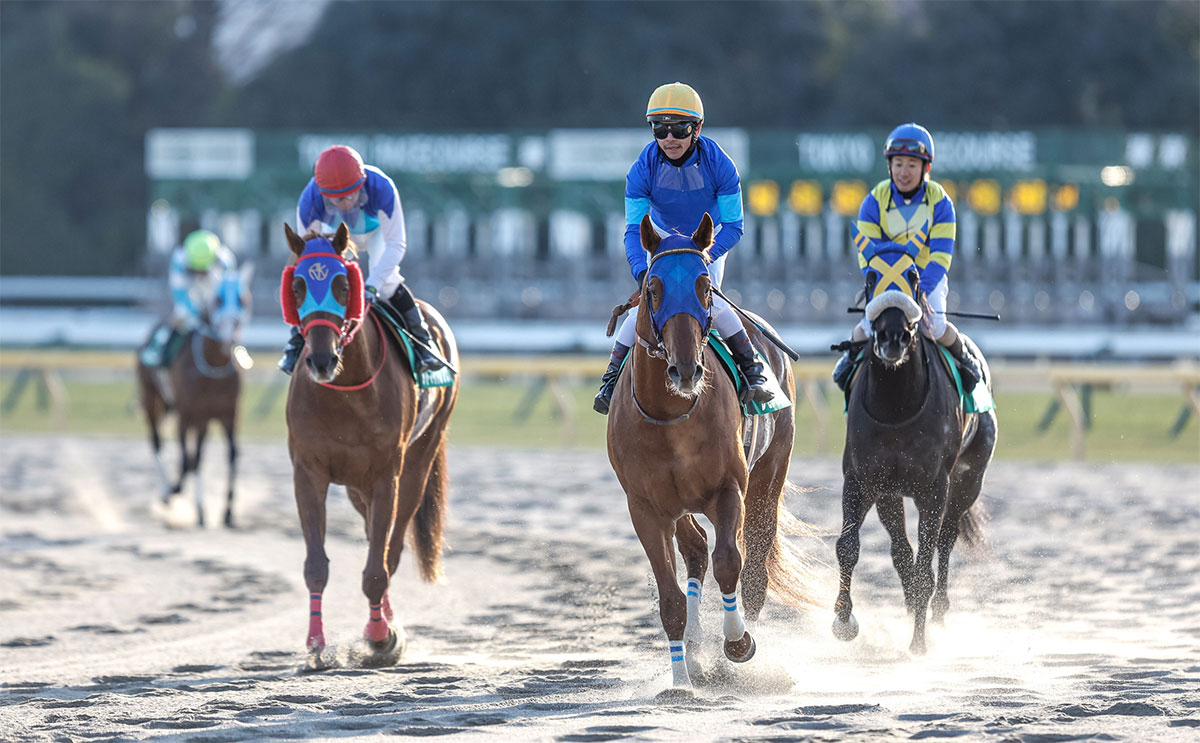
657	349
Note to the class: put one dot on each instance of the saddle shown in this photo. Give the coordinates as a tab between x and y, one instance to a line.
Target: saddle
979	401
778	401
390	319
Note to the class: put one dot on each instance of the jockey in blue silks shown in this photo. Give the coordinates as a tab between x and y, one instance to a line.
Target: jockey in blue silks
677	178
344	190
915	213
199	272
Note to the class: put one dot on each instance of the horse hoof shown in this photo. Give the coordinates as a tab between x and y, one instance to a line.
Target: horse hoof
386	651
318	660
918	646
229	519
675	694
847	630
748	654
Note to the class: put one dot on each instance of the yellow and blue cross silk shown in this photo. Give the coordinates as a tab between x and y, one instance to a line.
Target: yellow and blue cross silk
924	225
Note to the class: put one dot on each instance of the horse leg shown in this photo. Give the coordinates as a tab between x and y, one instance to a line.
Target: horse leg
693	545
930	507
855	504
197	479
891	514
655	533
726	515
310	490
183	453
965	484
381	526
230	425
154	409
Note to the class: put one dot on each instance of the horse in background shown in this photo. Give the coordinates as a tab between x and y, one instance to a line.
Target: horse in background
680	445
908	436
357	420
202	384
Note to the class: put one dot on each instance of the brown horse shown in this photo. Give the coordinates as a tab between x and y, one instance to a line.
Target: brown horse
202	384
680	445
356	417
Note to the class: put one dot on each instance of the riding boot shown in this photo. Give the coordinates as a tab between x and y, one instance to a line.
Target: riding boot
748	364
414	323
291	352
608	383
843	370
968	367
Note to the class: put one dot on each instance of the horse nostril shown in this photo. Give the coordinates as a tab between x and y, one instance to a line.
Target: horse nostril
673	373
698	374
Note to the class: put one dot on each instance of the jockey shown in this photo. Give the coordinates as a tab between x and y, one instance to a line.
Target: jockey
916	213
343	189
677	178
197	270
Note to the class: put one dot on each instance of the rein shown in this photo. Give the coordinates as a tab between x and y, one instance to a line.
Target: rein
345	340
659	421
202	365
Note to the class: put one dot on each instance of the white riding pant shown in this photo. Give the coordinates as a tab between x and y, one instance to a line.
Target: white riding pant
724	318
937	316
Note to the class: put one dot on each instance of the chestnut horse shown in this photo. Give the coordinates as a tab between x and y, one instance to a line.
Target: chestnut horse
907	436
676	436
203	384
356	417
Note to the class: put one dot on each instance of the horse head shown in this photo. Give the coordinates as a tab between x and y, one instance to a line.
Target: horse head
893	309
323	295
227	314
676	298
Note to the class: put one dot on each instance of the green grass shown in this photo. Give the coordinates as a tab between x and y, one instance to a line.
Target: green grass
1126	426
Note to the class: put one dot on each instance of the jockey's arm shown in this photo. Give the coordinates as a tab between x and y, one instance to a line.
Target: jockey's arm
395	242
637	205
866	234
941	243
729	208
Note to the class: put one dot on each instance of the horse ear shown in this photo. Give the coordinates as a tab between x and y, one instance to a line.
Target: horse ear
703	236
295	242
341	238
650	238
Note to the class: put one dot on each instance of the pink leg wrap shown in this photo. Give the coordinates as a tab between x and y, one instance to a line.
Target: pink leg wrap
387	609
316	631
377	628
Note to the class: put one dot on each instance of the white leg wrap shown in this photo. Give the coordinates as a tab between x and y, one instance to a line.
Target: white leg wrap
692	632
679	671
198	482
735	628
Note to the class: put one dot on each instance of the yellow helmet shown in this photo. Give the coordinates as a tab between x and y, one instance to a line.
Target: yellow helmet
201	248
674	101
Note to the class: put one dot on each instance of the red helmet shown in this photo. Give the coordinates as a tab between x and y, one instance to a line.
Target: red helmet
339	171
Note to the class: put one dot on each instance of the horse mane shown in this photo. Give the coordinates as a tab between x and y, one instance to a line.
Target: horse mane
351	246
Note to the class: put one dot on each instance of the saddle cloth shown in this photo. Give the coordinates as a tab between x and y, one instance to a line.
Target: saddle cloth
390	319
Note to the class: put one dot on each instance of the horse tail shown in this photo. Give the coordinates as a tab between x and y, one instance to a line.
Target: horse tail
791	575
971	531
430	520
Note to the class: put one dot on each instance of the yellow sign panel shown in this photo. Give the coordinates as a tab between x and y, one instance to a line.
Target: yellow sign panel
805	198
847	197
1029	197
1066	197
984	197
763	198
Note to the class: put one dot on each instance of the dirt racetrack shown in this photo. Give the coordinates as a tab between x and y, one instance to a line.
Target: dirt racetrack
1083	625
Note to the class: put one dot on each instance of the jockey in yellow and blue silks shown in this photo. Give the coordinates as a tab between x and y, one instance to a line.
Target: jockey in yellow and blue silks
914	212
678	178
197	274
343	190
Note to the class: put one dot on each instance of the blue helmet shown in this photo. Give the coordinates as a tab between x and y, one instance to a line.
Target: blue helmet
910	139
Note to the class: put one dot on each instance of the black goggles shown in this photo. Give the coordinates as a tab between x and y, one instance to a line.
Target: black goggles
912	147
677	129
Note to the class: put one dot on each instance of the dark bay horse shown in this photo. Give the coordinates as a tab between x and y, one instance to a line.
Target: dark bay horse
676	436
202	384
907	436
356	417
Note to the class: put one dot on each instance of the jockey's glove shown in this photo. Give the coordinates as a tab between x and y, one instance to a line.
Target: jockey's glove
371	294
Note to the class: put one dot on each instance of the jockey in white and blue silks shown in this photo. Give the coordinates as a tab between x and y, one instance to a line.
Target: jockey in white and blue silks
343	190
912	211
676	180
198	274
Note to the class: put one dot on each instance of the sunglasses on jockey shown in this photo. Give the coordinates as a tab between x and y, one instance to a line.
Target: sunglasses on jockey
913	147
677	129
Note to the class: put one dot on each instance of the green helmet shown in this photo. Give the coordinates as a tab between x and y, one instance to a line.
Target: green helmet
201	248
